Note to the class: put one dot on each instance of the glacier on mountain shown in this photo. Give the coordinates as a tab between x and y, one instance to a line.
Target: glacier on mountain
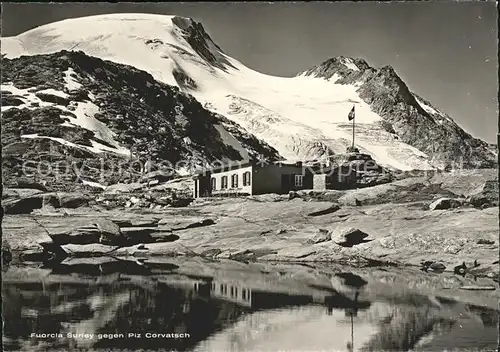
303	117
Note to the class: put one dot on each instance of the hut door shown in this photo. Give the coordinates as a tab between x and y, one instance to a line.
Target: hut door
285	183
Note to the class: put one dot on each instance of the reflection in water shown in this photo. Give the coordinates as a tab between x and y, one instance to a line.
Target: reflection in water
131	300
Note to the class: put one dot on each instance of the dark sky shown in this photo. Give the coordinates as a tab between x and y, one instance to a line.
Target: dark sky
445	51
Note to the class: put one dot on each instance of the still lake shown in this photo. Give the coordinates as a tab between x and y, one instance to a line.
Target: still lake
186	305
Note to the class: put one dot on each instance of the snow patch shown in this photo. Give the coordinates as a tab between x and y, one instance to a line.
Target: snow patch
426	107
402	157
95	148
29	98
84	113
431	110
349	63
100	148
93	184
56	139
335	78
57	93
71	82
183	171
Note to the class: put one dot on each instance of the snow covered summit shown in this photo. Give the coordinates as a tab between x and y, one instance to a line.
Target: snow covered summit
303	117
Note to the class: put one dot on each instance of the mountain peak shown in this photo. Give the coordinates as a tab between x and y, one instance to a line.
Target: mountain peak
354	63
201	42
340	65
404	131
172	44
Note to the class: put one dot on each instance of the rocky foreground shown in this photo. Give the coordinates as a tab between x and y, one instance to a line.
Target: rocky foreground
446	222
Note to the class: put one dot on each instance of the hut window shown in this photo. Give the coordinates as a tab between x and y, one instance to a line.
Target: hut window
299	180
234	181
213	183
246	178
223	182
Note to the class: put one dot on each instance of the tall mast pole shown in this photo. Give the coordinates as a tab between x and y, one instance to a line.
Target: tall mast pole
352	332
353	134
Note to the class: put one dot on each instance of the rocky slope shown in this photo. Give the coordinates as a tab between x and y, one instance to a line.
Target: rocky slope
408	116
410	221
303	117
83	112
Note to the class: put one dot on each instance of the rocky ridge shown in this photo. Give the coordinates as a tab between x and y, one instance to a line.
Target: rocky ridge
93	112
411	118
410	221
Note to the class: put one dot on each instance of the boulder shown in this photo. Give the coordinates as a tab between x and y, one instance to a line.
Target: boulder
51	199
181	202
348	237
478	288
319	237
331	209
18	193
223	255
138	234
16	149
110	232
73	200
134	200
82	235
54	248
153	183
163	200
295	252
136	222
486	197
108	227
204	222
211	252
181	223
23	205
388	242
452	249
33	255
437	267
87	250
372	178
6	255
120	188
485	241
51	98
242	255
164	237
21	183
159	175
36	201
445	203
